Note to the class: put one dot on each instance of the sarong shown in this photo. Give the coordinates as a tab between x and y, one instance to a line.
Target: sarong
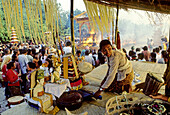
120	86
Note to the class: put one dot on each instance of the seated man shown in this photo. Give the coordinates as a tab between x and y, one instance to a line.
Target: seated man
120	73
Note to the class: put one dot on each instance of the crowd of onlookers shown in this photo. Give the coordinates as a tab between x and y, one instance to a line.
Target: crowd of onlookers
157	55
19	60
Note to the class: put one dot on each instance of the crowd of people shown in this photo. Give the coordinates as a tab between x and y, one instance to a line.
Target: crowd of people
19	60
157	55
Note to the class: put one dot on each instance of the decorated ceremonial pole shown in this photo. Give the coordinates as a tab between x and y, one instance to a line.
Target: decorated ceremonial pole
116	28
72	26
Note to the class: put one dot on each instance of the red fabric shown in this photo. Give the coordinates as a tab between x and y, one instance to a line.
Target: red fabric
4	71
118	41
12	77
77	83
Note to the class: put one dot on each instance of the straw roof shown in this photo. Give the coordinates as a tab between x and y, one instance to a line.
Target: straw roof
161	6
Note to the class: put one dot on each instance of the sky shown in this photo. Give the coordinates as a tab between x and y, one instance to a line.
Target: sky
78	4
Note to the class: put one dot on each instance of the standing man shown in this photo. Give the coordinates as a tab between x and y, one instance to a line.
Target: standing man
120	73
23	61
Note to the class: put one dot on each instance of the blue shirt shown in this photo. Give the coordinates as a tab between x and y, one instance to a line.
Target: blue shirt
23	61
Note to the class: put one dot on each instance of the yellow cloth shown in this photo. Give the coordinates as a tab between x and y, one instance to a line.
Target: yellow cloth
169	99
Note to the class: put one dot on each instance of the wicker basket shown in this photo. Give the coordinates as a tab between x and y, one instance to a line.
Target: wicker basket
118	104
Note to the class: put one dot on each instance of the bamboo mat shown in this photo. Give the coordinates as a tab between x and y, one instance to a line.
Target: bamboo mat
142	68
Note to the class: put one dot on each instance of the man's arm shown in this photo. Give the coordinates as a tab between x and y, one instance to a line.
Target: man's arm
112	72
162	97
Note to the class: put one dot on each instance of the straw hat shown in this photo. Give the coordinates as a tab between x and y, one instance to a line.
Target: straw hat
85	67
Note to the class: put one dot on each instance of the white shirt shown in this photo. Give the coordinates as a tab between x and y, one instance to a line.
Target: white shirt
118	63
43	60
158	56
6	56
23	61
67	50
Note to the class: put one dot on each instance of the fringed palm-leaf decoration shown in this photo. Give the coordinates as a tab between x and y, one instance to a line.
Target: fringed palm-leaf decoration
41	20
13	12
22	23
101	16
19	22
28	18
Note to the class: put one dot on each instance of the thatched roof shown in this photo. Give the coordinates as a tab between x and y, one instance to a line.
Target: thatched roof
161	6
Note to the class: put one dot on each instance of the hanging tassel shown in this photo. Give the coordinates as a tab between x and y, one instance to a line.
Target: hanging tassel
22	24
41	20
28	18
19	22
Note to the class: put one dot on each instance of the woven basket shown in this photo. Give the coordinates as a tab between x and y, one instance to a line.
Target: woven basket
113	106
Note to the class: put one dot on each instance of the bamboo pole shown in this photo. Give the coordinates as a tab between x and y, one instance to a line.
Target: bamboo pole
72	27
116	28
112	31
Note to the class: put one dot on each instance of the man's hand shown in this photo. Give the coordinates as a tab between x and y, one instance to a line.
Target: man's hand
96	95
162	97
139	86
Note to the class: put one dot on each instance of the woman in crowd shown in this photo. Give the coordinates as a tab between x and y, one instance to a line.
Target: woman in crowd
15	59
4	69
13	80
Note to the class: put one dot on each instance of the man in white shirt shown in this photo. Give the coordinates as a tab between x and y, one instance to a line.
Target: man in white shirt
67	49
23	61
120	73
88	58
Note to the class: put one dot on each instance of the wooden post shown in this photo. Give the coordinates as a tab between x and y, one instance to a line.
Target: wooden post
80	34
116	28
112	31
72	26
65	67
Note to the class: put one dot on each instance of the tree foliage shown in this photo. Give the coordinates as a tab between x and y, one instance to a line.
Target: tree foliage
64	23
